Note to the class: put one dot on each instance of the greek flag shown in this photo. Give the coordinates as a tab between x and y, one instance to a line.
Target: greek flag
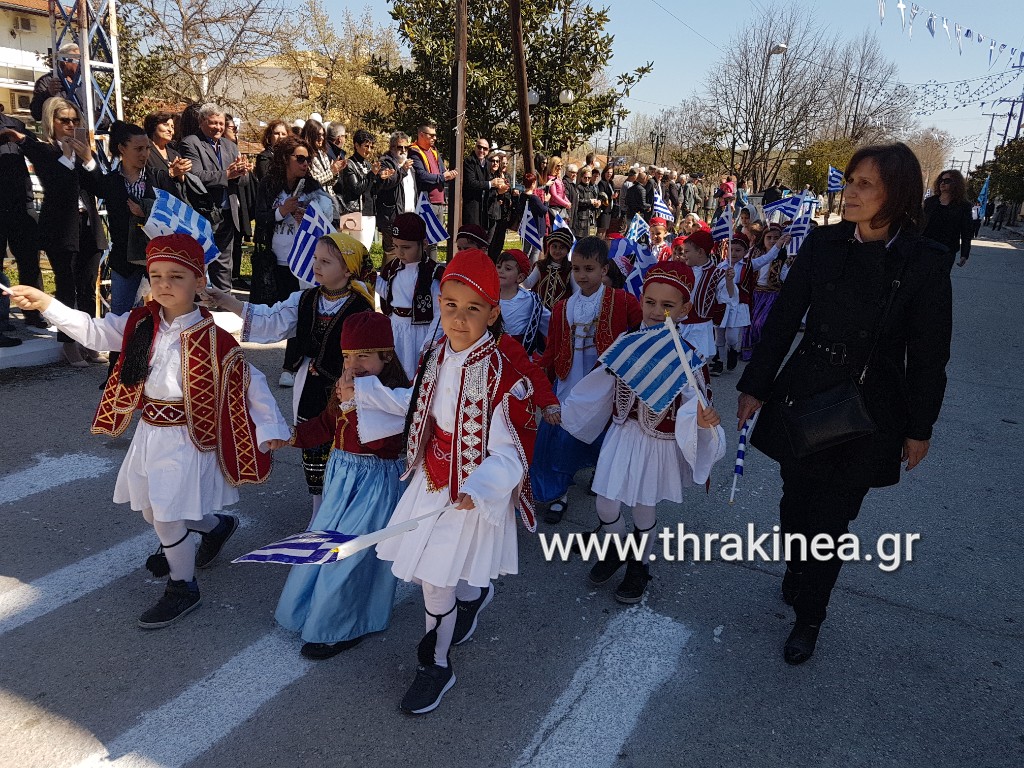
647	362
619	251
983	194
721	228
308	548
789	207
660	209
313	226
645	259
637	228
529	230
558	223
741	451
170	215
798	230
835	180
436	232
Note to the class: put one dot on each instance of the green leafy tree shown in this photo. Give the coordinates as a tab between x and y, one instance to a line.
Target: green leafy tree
1008	171
822	154
564	40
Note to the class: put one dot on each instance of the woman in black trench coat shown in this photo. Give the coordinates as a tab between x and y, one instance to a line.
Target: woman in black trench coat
842	279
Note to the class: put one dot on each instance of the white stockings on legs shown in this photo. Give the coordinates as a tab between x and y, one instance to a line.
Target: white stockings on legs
439	603
644	520
179	548
465	593
609	514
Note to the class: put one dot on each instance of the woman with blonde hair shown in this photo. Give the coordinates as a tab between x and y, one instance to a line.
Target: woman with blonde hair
553	185
69	227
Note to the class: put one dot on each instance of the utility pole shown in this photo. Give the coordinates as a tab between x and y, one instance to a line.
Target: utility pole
988	141
519	59
459	142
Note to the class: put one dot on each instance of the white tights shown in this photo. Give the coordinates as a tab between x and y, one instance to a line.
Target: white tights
609	513
179	546
728	338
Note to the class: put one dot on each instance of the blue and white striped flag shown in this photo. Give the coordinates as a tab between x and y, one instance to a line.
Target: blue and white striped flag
647	362
620	250
660	209
741	450
558	223
983	194
313	226
798	230
835	180
529	229
308	548
721	228
436	233
789	207
170	215
637	228
645	259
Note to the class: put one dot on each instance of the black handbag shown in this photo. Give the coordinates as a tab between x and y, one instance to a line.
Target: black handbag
835	415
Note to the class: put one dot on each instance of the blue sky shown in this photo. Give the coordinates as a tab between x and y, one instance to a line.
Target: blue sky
920	59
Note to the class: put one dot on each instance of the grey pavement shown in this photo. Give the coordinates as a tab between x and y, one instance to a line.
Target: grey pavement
921	667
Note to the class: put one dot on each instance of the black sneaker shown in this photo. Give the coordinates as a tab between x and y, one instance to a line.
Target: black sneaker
7	341
179	598
431	683
633	586
715	367
606	568
732	358
321	651
215	540
467	613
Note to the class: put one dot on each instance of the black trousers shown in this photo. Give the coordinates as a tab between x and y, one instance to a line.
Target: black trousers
75	272
18	231
811	506
287	284
219	269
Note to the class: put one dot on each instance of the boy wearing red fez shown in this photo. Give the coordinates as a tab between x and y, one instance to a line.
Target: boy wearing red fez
334	606
645	457
197	442
469	443
582	328
523	314
709	295
408	286
659	242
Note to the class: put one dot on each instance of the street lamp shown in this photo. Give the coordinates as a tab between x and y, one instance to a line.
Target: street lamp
657	139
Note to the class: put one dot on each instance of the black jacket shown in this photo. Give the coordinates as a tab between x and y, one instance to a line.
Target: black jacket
357	186
637	202
843	285
16	188
951	225
476	187
391	192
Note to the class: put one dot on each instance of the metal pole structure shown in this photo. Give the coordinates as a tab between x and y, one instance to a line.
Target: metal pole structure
988	141
519	59
455	209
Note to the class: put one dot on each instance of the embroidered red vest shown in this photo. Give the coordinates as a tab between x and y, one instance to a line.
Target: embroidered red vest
214	380
487	381
705	296
613	319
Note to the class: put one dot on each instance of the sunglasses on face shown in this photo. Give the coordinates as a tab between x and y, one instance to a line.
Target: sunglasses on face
402	147
482	146
68	120
301	159
945	180
430	135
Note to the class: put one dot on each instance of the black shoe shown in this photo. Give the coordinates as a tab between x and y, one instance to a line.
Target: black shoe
431	683
241	284
214	541
556	510
179	598
633	586
467	613
34	319
800	643
715	367
7	341
606	568
790	586
320	651
732	358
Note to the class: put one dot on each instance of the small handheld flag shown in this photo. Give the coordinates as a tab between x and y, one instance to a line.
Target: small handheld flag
798	230
835	180
741	451
436	233
171	215
789	207
721	229
983	194
659	207
558	222
637	228
645	259
313	226
529	230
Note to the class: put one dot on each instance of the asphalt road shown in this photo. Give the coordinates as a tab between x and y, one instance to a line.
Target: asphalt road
922	666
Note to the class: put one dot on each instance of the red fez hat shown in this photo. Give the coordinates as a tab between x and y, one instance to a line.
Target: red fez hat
673	273
742	239
614	235
474	268
678	242
702	239
475	233
657	221
178	248
522	260
367	332
409	226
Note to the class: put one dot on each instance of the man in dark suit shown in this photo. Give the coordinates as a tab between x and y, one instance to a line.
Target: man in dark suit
476	185
224	172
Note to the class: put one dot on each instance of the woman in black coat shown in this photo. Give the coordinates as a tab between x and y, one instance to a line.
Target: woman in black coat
842	278
947	215
69	226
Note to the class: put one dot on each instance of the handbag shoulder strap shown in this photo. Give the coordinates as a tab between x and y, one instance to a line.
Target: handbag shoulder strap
893	288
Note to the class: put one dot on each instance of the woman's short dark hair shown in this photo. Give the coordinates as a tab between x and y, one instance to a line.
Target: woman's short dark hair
268	132
958	185
900	172
154	120
121	133
362	136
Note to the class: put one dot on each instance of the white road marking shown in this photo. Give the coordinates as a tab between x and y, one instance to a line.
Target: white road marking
26	602
205	712
50	472
589	723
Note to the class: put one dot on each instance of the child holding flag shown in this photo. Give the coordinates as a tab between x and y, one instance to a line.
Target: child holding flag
770	253
582	328
207	415
470	432
315	316
708	297
646	457
334	606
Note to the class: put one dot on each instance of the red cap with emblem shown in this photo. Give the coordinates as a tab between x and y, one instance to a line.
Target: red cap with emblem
657	221
522	260
673	273
367	332
474	268
177	248
409	226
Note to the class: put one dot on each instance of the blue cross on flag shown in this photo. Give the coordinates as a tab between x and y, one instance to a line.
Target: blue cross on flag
170	215
307	548
313	226
529	229
436	233
721	228
789	207
637	228
799	229
660	209
835	180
